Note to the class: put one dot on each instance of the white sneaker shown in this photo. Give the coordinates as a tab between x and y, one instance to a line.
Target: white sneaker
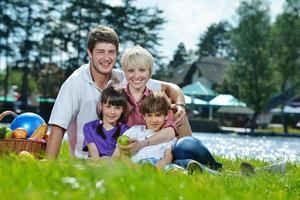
193	166
174	168
274	168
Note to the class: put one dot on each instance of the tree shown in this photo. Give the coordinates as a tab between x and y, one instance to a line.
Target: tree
78	18
8	24
215	41
286	48
31	24
180	56
251	72
137	26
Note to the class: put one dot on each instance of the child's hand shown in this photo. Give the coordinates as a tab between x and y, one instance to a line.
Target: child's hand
132	148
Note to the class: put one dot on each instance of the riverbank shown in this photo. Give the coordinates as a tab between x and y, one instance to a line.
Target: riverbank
234	146
258	132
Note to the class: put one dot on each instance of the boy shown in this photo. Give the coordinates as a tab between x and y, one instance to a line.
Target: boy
154	109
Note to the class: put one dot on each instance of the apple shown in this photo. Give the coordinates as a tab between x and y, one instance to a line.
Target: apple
8	133
19	133
123	140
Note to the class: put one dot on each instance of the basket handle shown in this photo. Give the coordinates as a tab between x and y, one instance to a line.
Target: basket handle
8	112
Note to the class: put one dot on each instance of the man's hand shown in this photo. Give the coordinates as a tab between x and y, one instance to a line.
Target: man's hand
132	148
180	114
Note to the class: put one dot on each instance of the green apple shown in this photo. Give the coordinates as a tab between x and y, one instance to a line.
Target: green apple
8	133
123	140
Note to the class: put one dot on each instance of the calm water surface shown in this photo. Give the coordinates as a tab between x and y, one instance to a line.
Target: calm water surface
262	148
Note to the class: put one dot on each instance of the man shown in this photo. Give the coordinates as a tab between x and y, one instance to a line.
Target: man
76	102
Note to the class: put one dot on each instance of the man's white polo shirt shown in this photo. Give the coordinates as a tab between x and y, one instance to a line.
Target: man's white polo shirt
76	103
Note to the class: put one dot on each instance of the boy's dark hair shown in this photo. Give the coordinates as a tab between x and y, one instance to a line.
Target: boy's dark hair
102	34
116	97
155	102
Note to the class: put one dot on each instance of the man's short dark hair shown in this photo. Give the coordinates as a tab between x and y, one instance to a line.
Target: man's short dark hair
102	34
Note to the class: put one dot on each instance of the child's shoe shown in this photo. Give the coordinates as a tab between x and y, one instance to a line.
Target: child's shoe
174	168
274	168
193	166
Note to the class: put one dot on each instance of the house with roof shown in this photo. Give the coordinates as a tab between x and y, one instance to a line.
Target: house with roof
208	71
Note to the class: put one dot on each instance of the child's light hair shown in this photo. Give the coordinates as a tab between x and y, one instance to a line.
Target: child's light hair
137	56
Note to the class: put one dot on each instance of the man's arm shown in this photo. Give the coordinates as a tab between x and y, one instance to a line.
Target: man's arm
54	141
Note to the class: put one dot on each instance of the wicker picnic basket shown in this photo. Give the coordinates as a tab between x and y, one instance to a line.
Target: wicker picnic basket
7	146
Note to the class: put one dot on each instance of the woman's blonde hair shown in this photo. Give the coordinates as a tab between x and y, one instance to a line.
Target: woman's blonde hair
137	56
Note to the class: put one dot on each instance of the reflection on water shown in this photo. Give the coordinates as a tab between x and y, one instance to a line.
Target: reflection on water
262	148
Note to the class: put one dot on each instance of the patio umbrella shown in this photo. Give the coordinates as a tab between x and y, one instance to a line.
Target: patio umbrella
198	89
8	99
226	100
286	109
192	100
236	110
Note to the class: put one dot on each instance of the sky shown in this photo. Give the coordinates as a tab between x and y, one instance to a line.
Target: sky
187	20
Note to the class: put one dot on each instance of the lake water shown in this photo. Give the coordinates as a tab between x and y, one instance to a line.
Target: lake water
262	148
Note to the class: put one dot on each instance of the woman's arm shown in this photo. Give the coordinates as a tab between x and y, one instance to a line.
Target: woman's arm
177	97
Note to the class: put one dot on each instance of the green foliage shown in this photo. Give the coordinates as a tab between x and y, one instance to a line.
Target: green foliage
35	35
285	46
68	178
215	41
250	76
180	56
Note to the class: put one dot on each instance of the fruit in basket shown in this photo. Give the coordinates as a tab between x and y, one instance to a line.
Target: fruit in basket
46	136
8	133
19	133
40	132
29	121
5	132
2	132
37	139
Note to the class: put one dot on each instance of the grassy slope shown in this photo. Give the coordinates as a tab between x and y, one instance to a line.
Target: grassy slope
74	179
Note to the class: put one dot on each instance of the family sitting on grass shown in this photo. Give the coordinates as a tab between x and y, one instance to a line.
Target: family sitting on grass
93	126
144	111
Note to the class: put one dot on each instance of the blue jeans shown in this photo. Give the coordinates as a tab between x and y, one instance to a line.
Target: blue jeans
187	148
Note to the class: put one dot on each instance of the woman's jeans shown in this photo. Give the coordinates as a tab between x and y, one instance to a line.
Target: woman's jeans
191	148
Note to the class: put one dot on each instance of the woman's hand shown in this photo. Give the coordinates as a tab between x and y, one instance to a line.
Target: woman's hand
180	114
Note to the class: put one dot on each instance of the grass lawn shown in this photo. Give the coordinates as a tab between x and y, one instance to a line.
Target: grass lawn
67	178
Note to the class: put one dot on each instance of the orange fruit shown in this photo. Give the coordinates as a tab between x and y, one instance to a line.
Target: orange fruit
19	133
